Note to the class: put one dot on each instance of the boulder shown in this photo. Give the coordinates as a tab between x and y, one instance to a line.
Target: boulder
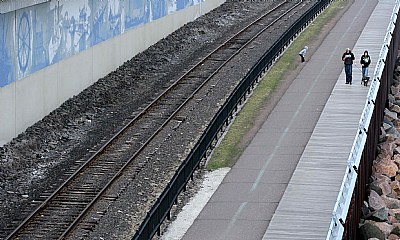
371	229
386	167
395	108
396	123
395	213
387	122
381	187
366	213
385	227
379	177
390	137
396	229
393	90
386	126
393	131
375	187
396	158
395	185
392	219
389	115
380	215
386	187
391	99
386	149
391	203
375	201
382	136
393	237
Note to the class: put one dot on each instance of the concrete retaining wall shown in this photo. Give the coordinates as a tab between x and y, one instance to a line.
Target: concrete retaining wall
27	100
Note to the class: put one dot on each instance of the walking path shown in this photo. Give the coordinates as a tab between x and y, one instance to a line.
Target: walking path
244	203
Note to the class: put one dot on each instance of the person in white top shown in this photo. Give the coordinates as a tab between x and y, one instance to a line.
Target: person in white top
302	53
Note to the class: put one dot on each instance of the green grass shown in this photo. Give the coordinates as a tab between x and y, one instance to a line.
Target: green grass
230	148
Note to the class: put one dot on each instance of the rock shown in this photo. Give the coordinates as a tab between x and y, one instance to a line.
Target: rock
387	126
389	115
396	123
366	212
388	122
396	159
396	229
375	202
391	99
395	108
385	187
371	229
391	203
385	227
390	137
375	187
396	96
386	167
395	185
395	213
387	148
393	237
393	131
380	215
382	136
392	219
379	177
393	90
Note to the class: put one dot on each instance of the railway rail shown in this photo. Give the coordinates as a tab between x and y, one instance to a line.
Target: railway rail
59	214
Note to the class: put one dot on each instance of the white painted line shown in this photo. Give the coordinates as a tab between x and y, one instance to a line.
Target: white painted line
177	229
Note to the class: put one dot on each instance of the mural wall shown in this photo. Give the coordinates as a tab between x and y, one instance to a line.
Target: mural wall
36	37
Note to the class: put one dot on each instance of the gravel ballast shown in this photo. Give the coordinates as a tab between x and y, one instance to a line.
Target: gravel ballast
35	163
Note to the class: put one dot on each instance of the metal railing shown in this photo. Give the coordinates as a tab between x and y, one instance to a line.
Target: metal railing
359	162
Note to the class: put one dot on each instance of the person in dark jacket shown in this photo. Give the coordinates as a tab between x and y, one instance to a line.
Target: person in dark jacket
365	61
348	58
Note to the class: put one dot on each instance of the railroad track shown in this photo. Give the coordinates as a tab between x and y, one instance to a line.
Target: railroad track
63	210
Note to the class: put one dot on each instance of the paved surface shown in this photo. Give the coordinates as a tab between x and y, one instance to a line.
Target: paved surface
247	198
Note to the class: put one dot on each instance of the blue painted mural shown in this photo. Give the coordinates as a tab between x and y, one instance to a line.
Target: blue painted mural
36	37
6	49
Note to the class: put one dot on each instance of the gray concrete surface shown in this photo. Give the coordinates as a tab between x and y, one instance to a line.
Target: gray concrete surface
244	203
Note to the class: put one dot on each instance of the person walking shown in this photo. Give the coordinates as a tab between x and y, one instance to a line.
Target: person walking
348	58
365	61
302	53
